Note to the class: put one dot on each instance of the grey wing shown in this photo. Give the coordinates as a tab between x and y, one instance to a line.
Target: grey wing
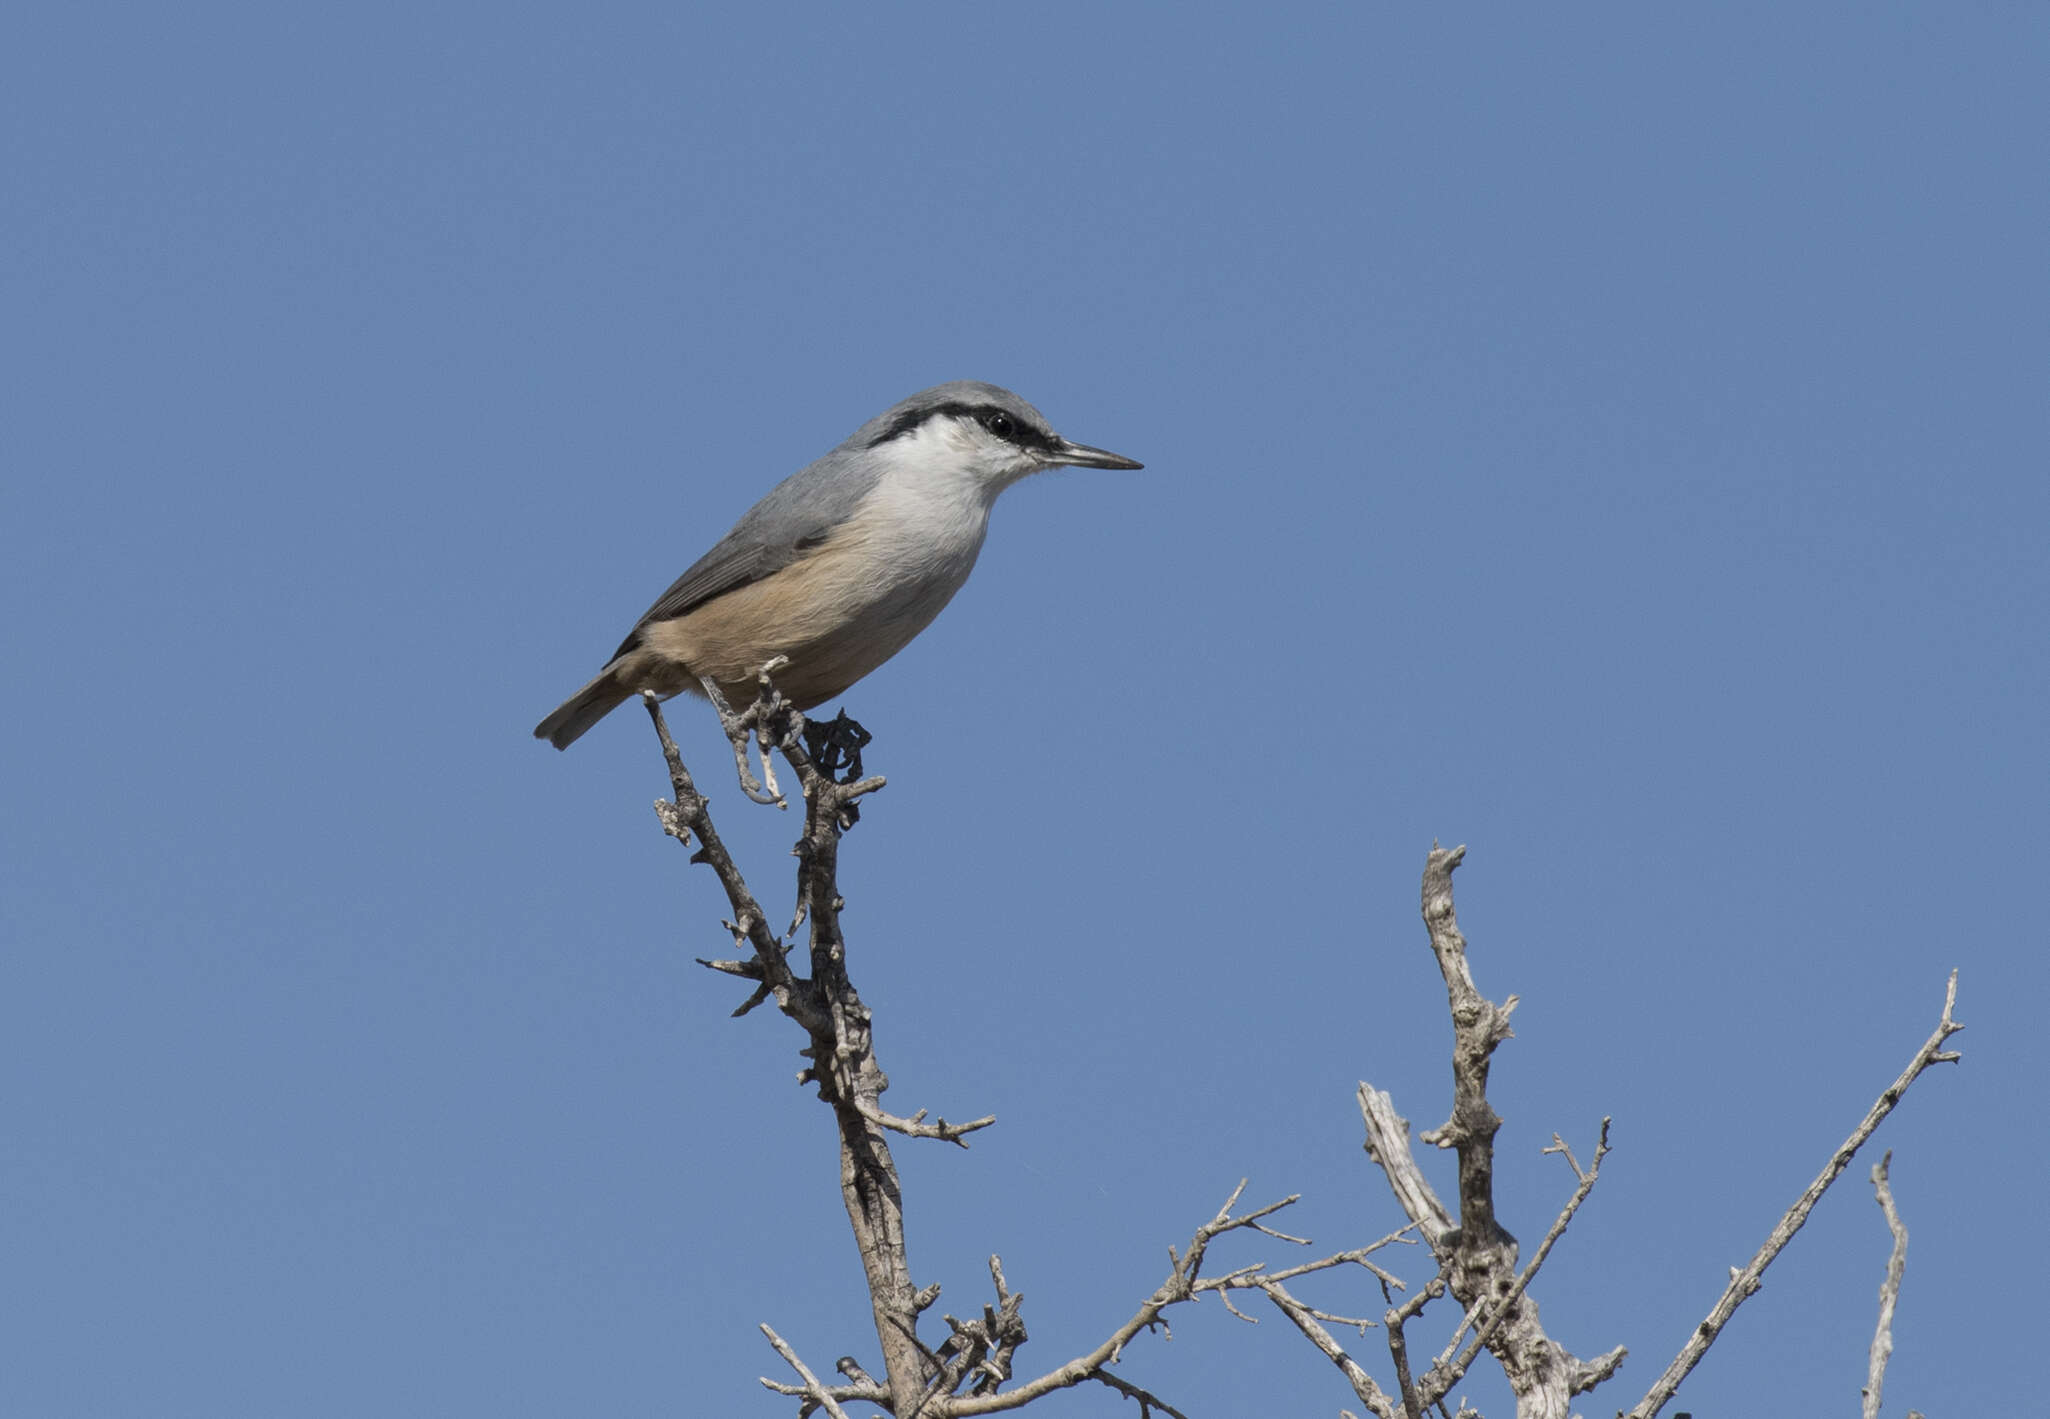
798	514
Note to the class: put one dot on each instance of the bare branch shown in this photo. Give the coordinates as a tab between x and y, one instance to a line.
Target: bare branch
869	1393
1398	1344
1501	1309
1388	1145
1565	1149
1586	1374
1744	1283
979	1352
825	1004
1356	1257
1889	1290
1363	1385
916	1127
1282	1236
688	814
1358	1323
1147	1402
812	1388
1466	1322
1478	1257
1182	1284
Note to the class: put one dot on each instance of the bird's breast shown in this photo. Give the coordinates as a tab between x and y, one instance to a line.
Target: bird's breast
844	607
912	537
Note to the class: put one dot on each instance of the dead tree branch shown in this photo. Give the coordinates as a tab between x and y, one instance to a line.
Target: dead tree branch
1147	1402
1889	1289
811	1389
841	1047
964	1375
1306	1320
1477	1258
1398	1319
1745	1283
1184	1283
1504	1307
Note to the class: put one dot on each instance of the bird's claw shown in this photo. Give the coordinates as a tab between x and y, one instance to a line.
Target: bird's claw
754	722
737	728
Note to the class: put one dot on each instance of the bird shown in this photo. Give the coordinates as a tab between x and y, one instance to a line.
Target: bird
841	564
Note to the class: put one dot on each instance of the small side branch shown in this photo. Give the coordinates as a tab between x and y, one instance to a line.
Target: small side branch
979	1352
1746	1282
1889	1290
812	1389
1259	1277
1413	1401
689	814
1147	1402
1183	1283
1388	1145
917	1127
1308	1322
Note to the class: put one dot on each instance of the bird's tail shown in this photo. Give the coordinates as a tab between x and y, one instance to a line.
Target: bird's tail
582	710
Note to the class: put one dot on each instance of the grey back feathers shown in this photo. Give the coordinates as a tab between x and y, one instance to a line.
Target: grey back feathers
798	512
803	509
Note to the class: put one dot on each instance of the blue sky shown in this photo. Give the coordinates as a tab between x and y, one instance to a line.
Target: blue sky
1614	439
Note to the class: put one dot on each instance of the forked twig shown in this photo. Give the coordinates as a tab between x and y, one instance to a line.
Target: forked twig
1746	1282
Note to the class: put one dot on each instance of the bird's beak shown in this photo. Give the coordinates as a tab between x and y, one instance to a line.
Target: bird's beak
1081	455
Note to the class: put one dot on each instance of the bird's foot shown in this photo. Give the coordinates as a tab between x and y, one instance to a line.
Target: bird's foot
766	721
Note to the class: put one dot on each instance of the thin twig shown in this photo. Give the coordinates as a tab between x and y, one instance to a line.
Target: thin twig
812	1388
1363	1385
1471	1318
1889	1290
1398	1344
1746	1282
1356	1257
1180	1285
1147	1402
688	814
917	1127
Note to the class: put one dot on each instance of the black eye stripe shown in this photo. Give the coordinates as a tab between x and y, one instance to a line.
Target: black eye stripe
1020	432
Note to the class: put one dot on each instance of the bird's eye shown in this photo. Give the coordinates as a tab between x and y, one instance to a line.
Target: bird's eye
999	423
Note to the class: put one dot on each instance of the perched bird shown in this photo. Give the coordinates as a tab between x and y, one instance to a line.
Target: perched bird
841	564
